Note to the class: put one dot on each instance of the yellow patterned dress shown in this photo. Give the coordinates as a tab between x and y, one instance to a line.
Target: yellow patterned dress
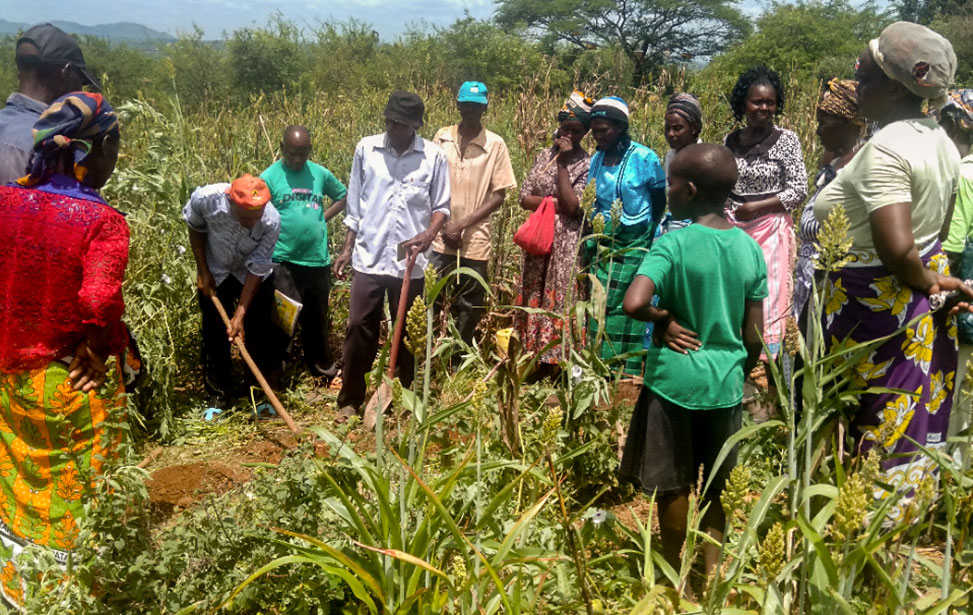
865	302
53	442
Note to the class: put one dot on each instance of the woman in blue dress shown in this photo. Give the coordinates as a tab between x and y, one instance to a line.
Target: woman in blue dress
631	200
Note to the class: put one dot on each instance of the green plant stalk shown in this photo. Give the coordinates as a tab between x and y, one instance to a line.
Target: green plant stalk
572	539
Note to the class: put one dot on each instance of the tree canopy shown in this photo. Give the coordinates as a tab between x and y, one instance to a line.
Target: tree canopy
819	38
651	33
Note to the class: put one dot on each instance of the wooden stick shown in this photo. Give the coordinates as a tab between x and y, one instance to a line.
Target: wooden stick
256	371
150	457
401	315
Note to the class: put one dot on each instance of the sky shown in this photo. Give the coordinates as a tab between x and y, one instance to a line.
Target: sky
218	16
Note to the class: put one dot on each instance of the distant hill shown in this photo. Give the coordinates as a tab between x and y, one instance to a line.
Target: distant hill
123	32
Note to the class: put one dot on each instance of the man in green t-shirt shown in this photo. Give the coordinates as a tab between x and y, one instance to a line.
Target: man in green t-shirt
711	280
302	263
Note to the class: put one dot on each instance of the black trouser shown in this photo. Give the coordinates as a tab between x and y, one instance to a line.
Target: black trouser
310	286
258	333
368	294
467	297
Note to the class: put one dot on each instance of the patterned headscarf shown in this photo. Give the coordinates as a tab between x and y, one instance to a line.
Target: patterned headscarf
918	58
576	107
73	123
960	108
687	106
840	99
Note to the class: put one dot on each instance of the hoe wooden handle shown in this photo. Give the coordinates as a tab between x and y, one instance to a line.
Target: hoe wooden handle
256	371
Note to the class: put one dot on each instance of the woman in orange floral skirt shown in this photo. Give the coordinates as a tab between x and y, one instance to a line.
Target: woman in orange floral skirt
60	319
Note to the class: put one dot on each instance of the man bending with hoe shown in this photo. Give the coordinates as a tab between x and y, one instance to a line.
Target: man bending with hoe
232	230
398	198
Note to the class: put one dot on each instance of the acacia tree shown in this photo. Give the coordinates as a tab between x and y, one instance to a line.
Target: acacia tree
650	32
925	11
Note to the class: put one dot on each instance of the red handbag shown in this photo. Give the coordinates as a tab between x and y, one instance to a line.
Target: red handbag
536	234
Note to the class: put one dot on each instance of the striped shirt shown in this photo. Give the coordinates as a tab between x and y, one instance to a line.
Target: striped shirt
231	248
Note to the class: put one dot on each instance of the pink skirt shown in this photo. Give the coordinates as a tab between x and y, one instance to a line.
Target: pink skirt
775	234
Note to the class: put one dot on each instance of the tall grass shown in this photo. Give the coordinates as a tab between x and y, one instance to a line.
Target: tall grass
168	151
456	514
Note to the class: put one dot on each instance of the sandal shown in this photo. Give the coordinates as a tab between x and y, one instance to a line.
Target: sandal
264	412
344	414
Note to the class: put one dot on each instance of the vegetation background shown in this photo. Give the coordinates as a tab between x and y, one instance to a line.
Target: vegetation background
514	530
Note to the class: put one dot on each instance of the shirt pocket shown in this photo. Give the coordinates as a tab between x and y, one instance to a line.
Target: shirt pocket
246	246
415	191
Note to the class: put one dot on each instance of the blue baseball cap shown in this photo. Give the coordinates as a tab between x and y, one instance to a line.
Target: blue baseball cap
472	91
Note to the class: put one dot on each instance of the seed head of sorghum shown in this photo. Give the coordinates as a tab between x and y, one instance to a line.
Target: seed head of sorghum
872	468
834	243
397	392
926	491
478	402
792	339
851	508
598	224
415	328
430	277
457	569
616	213
588	198
735	492
551	427
773	551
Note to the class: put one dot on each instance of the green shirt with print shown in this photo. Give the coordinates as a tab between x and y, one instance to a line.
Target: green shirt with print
300	199
704	277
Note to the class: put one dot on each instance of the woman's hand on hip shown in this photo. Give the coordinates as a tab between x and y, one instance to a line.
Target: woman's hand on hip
87	370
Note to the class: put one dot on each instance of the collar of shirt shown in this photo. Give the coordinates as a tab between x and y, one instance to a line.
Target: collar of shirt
26	103
415	146
453	135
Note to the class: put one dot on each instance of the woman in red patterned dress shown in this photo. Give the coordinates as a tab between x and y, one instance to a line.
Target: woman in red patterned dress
61	305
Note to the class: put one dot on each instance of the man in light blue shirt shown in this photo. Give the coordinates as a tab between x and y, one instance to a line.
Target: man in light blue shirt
49	65
398	195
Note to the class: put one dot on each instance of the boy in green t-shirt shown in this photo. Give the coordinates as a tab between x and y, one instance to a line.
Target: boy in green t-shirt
710	279
302	263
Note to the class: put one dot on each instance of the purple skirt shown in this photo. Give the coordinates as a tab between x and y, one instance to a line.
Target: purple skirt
863	303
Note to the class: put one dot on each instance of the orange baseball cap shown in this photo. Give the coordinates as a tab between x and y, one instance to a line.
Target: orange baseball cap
249	192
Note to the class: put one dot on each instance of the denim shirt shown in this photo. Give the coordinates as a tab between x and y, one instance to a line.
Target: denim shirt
17	136
392	199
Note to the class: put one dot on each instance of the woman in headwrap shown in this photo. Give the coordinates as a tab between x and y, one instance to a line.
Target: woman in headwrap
629	174
60	321
956	118
683	123
772	183
896	193
560	171
840	130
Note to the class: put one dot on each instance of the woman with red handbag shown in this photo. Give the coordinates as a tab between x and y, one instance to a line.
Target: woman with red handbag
559	172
